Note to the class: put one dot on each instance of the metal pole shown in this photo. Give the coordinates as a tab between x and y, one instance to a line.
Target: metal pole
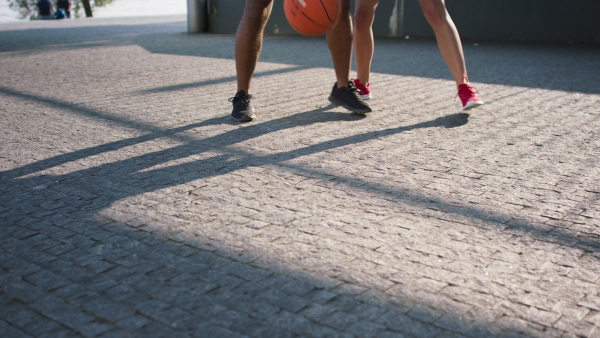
196	16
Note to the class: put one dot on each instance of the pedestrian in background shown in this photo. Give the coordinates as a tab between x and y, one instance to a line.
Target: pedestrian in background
45	10
65	5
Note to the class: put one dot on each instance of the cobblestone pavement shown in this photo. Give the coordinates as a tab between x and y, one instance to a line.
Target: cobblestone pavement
131	204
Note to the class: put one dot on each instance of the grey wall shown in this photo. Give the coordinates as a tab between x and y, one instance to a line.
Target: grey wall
528	20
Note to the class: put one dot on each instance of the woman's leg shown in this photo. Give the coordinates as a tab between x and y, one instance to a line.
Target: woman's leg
364	15
447	38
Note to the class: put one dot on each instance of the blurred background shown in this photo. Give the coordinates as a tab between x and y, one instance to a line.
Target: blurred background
116	8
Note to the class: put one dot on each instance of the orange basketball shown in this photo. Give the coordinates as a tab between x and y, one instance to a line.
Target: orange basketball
312	17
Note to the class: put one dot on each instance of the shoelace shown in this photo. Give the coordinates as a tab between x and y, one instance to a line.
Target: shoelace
241	101
353	91
467	91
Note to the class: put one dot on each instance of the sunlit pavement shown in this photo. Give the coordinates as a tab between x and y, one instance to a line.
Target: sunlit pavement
131	204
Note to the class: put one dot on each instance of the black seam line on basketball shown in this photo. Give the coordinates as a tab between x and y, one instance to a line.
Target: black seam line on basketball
313	21
325	9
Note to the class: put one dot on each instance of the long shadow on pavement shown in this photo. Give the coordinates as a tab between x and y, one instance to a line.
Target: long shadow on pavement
191	287
147	283
130	169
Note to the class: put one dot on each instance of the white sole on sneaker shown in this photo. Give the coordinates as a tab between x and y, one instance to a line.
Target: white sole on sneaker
472	104
366	96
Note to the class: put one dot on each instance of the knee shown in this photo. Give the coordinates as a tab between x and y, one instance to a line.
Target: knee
363	21
256	12
434	11
364	14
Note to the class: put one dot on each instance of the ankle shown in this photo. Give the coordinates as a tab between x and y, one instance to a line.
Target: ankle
463	81
342	84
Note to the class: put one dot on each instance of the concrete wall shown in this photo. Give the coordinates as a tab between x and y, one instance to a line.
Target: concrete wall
527	20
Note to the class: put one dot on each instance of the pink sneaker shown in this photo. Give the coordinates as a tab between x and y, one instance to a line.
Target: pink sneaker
468	96
363	90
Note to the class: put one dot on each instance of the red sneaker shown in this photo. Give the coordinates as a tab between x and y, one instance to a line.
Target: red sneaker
468	96
363	90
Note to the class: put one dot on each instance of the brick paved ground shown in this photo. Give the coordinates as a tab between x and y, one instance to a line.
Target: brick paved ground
132	204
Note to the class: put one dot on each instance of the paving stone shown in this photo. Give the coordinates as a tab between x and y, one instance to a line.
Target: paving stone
571	324
339	320
17	265
132	323
106	309
46	279
67	315
294	304
95	328
227	318
365	329
17	315
391	334
175	318
317	312
250	327
44	326
207	310
211	330
404	324
6	330
425	314
23	291
272	296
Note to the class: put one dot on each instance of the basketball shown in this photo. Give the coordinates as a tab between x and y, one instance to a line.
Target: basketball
312	17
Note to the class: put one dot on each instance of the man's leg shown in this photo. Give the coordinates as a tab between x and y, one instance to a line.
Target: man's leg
248	44
339	40
249	39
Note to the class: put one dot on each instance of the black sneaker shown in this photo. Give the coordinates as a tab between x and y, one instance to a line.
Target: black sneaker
349	98
242	110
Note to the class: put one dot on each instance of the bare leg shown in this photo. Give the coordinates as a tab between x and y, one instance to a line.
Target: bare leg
364	15
249	39
447	38
339	40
